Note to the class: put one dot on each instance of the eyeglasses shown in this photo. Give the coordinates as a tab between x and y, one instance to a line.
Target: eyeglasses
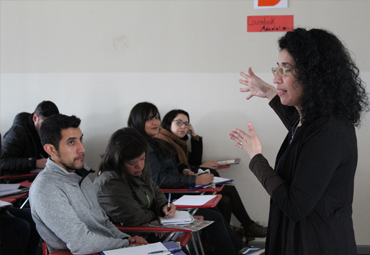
281	70
180	123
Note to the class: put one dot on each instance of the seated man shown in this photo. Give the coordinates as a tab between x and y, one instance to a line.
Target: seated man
63	199
22	149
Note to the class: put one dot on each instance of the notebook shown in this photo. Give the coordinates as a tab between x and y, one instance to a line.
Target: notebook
181	217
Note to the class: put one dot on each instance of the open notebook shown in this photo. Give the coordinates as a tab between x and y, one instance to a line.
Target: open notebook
181	217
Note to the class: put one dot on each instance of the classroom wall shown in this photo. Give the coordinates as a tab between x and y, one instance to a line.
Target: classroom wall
97	59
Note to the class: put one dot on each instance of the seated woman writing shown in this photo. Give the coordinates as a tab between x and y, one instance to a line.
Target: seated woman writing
145	118
125	188
175	127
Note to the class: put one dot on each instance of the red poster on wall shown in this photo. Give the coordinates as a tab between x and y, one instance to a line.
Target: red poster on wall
279	23
268	2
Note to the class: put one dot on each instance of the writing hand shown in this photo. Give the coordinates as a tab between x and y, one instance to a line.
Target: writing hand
204	179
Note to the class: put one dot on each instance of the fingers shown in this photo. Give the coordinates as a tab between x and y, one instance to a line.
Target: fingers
250	72
237	134
251	130
137	239
246	76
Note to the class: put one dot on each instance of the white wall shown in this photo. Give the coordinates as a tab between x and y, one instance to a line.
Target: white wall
97	59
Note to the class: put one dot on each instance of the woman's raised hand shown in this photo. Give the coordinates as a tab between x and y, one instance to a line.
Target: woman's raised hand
256	86
249	143
191	131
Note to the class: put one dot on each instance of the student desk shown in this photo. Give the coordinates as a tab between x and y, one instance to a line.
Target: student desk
169	245
174	233
14	198
202	191
193	209
7	178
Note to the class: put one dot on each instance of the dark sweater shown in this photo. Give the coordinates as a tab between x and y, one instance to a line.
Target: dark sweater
311	207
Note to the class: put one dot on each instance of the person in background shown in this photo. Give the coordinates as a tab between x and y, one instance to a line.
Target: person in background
319	98
175	127
18	234
144	117
63	199
21	146
125	187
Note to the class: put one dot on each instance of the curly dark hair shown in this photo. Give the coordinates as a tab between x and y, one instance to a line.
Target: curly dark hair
327	73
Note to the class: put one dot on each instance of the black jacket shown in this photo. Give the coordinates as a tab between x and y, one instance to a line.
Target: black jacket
166	173
21	146
311	211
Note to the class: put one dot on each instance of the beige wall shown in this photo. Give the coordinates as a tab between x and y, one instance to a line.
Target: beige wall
97	59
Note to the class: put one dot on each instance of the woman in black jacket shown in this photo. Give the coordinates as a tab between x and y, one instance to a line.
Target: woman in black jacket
319	98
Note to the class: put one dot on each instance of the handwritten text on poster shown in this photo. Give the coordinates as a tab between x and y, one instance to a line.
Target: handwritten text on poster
280	23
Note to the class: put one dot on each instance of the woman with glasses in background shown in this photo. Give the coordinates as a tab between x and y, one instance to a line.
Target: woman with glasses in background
319	98
175	129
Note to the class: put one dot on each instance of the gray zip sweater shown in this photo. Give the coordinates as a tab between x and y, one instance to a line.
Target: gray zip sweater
67	214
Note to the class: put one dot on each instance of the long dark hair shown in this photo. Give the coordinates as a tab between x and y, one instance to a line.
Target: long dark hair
329	76
125	144
170	116
138	116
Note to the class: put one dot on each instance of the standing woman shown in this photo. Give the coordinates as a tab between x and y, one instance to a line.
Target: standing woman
175	127
319	98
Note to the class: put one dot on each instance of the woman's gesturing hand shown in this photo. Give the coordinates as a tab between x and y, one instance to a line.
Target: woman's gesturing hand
249	143
256	86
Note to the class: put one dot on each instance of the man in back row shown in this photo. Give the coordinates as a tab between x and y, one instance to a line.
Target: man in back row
21	146
63	199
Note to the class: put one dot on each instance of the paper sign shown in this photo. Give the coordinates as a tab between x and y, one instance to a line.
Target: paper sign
268	4
281	23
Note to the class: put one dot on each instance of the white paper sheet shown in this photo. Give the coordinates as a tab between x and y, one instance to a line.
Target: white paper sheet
194	200
9	189
142	249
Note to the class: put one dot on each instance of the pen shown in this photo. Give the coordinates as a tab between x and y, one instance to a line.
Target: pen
169	203
172	251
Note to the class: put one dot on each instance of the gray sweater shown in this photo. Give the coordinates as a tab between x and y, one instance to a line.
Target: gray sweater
67	214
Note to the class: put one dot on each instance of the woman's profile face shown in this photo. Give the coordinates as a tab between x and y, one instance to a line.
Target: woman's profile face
178	126
135	166
289	90
152	124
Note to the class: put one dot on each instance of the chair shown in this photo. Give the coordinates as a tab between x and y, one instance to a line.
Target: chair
11	177
193	209
173	234
20	196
